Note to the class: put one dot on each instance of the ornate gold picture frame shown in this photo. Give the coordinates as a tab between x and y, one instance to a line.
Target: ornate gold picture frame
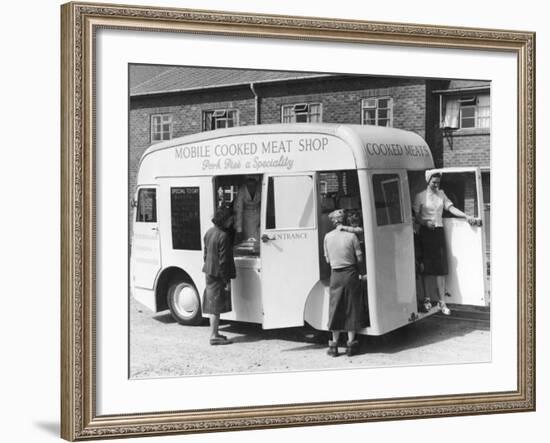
80	23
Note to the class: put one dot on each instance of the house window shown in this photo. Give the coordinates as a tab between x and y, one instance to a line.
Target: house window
220	118
226	194
301	113
161	127
467	112
323	187
377	111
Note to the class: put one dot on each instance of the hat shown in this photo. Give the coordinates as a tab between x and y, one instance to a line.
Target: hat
431	172
336	216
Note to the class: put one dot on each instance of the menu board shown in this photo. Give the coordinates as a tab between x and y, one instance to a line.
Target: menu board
185	209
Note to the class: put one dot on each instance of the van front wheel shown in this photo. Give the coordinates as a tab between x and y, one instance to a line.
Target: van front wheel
184	302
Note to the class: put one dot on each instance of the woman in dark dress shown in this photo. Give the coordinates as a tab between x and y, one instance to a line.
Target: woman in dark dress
428	208
347	310
219	269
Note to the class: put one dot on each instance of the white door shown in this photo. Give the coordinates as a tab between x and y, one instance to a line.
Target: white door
466	282
289	248
146	240
390	252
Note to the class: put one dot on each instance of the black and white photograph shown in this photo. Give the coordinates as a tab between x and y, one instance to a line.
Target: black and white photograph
287	221
282	221
242	222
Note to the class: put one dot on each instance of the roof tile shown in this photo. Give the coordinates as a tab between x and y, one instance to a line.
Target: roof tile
179	79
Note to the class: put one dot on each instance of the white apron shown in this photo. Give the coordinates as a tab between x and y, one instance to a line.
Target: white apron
247	213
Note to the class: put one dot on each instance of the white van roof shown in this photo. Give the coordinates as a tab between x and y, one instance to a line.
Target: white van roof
288	147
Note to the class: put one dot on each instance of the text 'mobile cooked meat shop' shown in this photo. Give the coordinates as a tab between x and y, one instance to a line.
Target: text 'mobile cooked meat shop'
252	155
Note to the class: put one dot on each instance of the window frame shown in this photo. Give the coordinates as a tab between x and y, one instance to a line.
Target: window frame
377	109
388	177
323	187
155	204
198	240
152	125
472	118
269	180
222	116
471	101
292	115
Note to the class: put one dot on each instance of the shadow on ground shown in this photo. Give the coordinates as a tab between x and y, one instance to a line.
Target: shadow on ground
425	332
430	330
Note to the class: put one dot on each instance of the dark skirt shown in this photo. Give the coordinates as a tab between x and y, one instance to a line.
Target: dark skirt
216	299
434	251
347	309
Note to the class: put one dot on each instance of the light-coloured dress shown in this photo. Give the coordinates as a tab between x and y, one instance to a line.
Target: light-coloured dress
247	213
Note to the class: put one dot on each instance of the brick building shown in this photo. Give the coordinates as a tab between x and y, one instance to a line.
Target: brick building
453	116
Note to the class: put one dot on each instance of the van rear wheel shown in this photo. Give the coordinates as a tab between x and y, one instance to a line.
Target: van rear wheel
184	302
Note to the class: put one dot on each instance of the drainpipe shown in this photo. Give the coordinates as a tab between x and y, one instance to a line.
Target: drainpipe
440	110
256	105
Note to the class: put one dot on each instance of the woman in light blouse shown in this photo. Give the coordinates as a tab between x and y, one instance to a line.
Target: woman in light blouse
428	208
347	311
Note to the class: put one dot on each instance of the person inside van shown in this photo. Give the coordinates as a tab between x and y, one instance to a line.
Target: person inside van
219	269
346	305
247	210
353	223
428	208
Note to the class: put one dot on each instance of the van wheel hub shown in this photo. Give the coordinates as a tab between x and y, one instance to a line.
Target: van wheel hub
185	301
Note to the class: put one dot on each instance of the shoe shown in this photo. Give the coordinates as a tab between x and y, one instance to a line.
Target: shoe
427	304
351	348
332	349
220	340
444	309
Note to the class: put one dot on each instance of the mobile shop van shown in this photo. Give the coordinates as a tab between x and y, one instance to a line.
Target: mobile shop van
305	171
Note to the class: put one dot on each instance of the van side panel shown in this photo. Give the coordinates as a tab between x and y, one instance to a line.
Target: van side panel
316	312
246	290
186	253
146	297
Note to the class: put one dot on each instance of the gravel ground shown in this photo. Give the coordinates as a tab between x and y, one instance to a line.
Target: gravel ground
160	347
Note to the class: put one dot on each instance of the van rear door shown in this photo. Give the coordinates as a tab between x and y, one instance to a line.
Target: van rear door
390	251
468	280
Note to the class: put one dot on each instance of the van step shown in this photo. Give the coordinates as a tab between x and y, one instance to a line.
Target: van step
468	312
